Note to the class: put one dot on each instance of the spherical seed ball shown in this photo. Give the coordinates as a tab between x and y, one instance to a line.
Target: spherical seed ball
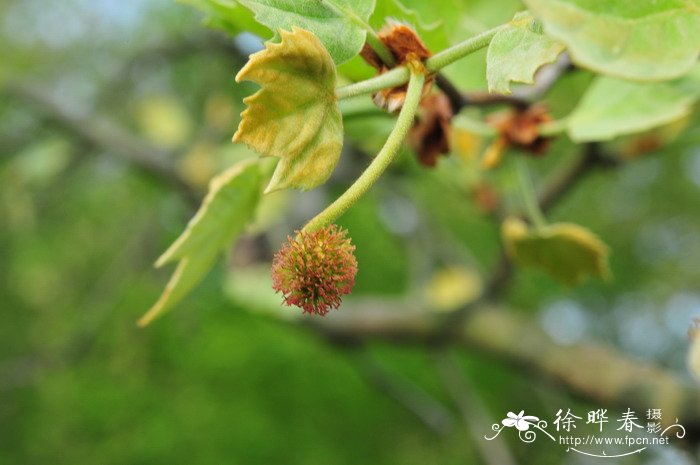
315	269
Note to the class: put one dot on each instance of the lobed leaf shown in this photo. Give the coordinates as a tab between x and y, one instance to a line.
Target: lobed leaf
612	107
228	207
630	39
517	52
568	252
330	20
295	116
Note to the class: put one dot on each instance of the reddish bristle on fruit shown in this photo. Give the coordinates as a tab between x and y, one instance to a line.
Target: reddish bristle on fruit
315	269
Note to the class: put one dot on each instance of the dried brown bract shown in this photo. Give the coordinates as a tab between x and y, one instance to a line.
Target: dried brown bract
519	127
430	134
403	42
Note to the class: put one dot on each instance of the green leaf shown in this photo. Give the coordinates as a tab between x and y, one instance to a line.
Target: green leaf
337	23
295	116
632	39
568	252
433	34
517	52
228	207
612	107
229	16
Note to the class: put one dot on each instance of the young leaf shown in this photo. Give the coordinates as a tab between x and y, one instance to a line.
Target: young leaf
227	209
337	23
639	40
613	107
566	251
295	116
517	52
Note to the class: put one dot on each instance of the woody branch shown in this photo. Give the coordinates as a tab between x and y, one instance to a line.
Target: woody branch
592	371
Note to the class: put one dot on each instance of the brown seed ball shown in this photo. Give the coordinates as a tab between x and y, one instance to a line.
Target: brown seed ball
315	269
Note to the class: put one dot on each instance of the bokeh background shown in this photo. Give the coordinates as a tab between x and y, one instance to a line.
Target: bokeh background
113	117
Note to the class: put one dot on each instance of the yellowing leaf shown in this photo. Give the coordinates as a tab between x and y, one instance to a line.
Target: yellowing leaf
164	121
566	251
465	144
517	52
219	111
228	207
452	287
199	164
295	116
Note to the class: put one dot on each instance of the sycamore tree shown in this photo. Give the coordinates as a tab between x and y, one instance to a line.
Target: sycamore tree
644	60
326	62
646	77
313	72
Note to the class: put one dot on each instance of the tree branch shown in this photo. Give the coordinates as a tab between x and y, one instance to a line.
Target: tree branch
100	132
521	97
171	50
459	100
427	409
592	371
561	184
546	77
472	410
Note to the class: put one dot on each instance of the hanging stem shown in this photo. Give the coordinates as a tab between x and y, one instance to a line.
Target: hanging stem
400	75
380	163
529	196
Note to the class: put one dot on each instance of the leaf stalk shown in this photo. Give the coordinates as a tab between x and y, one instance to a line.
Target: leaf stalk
527	191
380	163
400	75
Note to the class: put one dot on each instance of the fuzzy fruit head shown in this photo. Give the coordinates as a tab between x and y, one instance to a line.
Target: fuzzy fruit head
315	269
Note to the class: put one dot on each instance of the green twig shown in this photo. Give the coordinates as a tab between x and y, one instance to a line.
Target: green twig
383	159
393	78
400	75
529	196
462	49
